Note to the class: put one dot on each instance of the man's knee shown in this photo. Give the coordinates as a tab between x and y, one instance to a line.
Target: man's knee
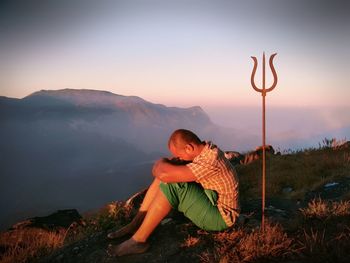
156	181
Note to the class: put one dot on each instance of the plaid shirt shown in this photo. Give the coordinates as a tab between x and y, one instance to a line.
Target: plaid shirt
213	171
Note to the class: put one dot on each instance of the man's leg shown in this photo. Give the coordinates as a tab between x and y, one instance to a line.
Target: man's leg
150	195
158	209
136	222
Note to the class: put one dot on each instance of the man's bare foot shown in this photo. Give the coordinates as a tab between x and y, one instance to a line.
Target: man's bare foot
128	247
129	228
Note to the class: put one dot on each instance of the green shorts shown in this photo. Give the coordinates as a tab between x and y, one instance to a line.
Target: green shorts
196	203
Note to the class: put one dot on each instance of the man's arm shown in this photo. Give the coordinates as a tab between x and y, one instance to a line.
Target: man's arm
167	172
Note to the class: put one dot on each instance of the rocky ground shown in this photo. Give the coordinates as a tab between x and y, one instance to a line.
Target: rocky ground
319	239
178	240
175	240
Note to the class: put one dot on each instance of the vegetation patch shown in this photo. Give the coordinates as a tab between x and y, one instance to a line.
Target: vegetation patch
27	244
299	171
319	208
252	245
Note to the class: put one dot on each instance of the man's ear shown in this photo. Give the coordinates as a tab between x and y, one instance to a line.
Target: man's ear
189	148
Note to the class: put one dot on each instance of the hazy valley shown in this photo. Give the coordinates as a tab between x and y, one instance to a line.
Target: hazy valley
82	148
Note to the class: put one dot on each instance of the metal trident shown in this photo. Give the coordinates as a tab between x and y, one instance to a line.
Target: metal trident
263	92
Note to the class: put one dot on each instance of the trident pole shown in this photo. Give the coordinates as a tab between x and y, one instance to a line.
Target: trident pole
263	92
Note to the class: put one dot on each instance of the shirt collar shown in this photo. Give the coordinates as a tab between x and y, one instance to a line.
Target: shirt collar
208	145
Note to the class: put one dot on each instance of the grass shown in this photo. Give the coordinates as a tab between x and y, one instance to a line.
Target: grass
26	244
251	245
325	245
272	243
190	241
325	235
318	208
303	171
322	235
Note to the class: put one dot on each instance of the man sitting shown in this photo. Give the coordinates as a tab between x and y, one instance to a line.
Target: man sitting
205	190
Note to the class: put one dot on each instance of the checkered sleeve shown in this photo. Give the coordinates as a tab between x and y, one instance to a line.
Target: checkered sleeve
203	169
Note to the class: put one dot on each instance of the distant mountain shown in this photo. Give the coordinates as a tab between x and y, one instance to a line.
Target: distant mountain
85	145
126	117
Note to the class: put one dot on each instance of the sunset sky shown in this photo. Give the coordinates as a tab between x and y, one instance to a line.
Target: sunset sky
179	53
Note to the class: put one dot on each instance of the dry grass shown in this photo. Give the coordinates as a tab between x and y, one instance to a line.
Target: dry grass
315	208
326	234
333	143
21	245
314	242
243	245
318	208
25	244
190	241
320	247
273	243
303	171
346	157
341	208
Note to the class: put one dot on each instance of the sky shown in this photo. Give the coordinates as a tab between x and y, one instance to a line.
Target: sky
180	53
184	53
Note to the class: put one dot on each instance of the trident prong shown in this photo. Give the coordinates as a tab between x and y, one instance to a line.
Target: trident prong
263	92
273	73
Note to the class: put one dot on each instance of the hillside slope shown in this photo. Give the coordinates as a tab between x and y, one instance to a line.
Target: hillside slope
307	210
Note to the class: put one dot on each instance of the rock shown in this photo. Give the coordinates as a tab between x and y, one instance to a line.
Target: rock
59	219
166	221
331	191
287	190
332	184
237	158
234	157
275	211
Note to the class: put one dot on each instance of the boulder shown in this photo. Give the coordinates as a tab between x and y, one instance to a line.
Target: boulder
60	219
237	158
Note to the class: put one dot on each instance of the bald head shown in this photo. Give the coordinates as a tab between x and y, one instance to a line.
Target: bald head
182	137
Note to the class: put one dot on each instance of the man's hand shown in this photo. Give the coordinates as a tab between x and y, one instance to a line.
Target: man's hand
168	172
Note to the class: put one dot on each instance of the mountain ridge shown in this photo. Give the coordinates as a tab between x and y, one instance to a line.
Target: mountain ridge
53	138
91	96
79	101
